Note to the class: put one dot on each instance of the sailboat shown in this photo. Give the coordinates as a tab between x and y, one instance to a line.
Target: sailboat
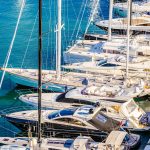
90	94
51	80
88	50
139	24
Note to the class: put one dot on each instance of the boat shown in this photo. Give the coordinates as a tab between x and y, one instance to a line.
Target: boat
116	139
132	117
105	92
54	101
70	122
109	69
88	50
139	24
137	7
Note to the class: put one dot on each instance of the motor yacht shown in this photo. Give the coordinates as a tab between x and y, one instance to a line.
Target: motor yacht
69	122
116	139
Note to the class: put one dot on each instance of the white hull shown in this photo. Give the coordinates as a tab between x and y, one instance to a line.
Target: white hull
49	101
139	24
77	94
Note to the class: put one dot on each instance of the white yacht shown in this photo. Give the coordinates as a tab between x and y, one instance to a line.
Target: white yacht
139	23
136	67
109	91
87	50
69	122
117	139
29	77
132	117
105	92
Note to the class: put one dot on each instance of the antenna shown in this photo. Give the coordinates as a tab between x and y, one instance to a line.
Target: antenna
110	19
128	37
58	53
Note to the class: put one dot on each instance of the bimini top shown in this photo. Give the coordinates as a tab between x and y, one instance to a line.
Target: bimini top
64	112
81	112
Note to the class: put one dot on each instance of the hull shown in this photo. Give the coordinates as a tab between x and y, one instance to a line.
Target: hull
34	83
57	130
122	31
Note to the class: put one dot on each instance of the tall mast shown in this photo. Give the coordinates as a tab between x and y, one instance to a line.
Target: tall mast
58	53
130	12
128	36
39	70
110	19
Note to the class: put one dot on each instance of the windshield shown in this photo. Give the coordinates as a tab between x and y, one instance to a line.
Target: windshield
64	112
131	107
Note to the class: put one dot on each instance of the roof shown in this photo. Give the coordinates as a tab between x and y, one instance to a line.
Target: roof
116	138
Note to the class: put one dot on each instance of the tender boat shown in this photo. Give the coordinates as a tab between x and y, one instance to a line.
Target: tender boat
116	139
85	120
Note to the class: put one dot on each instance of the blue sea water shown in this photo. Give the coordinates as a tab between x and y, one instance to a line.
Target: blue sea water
75	15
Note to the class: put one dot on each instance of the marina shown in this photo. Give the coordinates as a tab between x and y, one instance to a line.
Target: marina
75	75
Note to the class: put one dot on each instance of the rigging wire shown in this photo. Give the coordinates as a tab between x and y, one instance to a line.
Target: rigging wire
85	5
49	26
29	40
95	4
12	43
77	19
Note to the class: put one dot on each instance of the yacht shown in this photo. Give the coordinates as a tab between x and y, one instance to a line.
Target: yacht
116	139
70	122
89	95
139	24
105	92
88	50
114	65
54	100
132	117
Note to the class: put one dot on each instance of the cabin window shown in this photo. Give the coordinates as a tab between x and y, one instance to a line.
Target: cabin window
5	139
140	53
101	118
71	121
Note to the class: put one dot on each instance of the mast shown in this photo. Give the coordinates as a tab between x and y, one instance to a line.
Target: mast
130	12
58	53
110	19
128	37
39	70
